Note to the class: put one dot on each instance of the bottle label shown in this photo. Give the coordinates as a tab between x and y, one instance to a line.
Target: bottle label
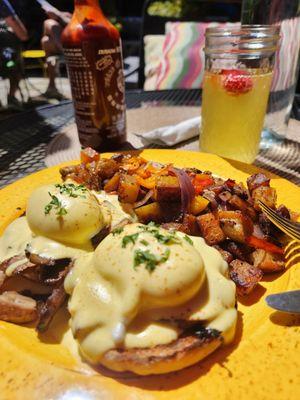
97	83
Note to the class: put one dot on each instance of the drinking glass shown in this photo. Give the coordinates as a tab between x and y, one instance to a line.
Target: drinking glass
238	73
286	14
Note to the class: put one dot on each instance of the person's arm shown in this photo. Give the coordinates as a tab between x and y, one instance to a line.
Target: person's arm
17	27
52	12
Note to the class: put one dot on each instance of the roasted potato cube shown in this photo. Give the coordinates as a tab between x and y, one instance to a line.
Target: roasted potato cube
238	250
106	168
128	189
228	257
198	204
167	188
210	229
189	225
235	225
257	180
113	184
267	261
239	204
149	212
89	155
265	194
245	276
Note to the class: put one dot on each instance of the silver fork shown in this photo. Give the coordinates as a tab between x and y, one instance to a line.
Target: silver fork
290	228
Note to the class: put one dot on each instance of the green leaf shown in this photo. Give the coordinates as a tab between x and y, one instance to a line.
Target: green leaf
55	204
188	239
71	190
129	239
149	259
117	231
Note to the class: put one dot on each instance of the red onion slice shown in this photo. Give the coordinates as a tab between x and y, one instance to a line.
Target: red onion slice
144	199
187	189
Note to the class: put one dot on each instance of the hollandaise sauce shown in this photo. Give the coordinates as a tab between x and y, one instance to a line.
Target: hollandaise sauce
129	291
60	222
139	281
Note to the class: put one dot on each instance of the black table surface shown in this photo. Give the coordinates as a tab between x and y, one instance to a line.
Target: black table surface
24	137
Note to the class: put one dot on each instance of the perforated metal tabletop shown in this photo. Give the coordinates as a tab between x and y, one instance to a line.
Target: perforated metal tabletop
25	136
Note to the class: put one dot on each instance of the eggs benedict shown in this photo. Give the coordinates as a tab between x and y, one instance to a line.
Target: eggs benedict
63	223
151	301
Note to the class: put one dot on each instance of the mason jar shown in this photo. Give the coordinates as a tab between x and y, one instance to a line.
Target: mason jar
286	15
239	65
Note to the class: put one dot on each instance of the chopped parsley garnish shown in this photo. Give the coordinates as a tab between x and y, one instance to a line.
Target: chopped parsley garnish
71	189
188	239
55	204
153	225
129	239
149	259
144	242
117	231
164	239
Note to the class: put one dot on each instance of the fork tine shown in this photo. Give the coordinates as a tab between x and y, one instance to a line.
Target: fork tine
286	226
281	221
287	230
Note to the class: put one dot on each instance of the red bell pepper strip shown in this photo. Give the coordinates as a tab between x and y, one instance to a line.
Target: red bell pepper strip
264	244
201	182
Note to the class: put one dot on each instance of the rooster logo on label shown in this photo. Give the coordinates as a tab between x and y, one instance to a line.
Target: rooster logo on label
104	63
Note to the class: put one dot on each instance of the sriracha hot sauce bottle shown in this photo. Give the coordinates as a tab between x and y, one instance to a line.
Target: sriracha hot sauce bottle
93	52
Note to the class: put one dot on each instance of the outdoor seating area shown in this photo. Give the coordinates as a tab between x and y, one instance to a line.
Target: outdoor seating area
149	191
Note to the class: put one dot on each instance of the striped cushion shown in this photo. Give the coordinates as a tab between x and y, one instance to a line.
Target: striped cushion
182	63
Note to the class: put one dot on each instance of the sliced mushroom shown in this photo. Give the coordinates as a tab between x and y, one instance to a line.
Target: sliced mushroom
17	308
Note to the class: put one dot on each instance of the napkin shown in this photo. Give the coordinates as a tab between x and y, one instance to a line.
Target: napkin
172	134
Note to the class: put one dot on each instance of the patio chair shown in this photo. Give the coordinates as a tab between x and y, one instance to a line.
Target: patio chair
199	11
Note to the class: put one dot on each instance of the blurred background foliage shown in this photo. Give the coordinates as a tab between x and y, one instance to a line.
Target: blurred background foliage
170	8
174	8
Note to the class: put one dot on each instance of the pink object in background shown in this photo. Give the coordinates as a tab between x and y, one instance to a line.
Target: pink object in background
182	63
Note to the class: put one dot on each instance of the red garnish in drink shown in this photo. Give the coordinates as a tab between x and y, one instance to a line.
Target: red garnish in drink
237	81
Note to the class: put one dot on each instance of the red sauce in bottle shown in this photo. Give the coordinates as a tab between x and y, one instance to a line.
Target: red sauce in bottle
93	53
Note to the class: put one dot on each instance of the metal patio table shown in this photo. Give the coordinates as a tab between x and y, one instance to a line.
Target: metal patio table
24	137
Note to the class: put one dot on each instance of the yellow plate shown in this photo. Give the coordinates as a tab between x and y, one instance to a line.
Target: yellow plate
262	363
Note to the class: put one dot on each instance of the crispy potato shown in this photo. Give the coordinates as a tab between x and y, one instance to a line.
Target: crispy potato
245	276
266	261
265	194
257	180
239	204
128	189
167	188
106	168
198	204
210	229
113	184
228	257
235	225
149	212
